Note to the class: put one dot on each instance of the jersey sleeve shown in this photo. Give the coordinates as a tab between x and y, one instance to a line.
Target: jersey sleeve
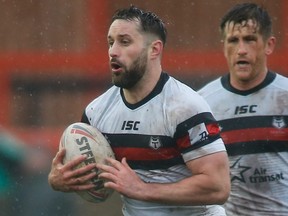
199	136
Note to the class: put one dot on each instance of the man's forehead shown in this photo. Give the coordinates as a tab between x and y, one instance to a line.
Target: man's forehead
250	26
121	26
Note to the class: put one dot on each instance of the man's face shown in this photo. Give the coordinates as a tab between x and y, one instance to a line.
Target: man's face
127	53
245	51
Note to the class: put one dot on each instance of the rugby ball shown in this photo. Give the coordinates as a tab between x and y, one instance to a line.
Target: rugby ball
83	139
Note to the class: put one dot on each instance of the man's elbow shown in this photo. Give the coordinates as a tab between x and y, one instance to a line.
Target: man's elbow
223	194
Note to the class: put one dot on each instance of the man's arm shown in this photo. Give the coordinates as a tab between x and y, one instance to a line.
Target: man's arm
209	184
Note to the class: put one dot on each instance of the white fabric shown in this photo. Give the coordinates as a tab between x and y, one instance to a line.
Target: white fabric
157	117
259	180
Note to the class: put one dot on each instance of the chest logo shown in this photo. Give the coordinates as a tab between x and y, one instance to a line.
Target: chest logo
278	122
245	109
155	142
130	125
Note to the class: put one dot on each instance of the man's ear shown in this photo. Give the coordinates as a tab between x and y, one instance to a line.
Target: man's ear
156	49
270	45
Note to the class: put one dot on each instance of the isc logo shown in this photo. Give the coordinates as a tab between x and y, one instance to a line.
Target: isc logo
245	109
130	125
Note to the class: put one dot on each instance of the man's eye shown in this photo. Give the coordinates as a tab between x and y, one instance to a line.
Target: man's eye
110	43
232	40
250	39
125	42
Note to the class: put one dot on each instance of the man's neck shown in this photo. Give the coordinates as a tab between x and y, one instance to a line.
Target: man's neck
244	85
143	88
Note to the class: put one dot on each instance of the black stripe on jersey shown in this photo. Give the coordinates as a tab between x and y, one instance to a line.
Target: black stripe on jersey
201	143
139	154
225	80
249	122
137	140
254	134
183	127
155	164
254	147
84	118
182	136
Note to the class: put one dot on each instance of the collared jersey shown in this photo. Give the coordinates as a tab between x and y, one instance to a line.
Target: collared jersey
254	127
157	135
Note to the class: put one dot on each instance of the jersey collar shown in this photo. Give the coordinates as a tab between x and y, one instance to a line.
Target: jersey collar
225	81
157	90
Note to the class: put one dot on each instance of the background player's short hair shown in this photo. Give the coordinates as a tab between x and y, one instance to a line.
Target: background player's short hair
248	11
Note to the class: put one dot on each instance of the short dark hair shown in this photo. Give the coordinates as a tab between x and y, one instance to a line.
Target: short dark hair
149	21
248	11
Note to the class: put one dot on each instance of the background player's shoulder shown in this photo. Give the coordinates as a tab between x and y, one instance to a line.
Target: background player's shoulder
83	139
281	82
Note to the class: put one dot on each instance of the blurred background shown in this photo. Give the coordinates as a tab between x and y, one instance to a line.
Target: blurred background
54	61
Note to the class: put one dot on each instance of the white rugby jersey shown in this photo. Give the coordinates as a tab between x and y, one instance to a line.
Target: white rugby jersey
254	127
169	127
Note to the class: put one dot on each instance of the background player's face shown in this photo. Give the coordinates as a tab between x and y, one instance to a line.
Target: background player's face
245	51
127	52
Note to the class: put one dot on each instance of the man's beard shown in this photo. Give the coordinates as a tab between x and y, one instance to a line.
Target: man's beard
130	77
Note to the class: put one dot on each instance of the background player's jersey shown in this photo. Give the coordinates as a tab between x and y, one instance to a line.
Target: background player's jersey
254	127
169	127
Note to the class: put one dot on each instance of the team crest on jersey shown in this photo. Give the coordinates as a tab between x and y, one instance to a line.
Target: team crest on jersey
278	122
155	142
